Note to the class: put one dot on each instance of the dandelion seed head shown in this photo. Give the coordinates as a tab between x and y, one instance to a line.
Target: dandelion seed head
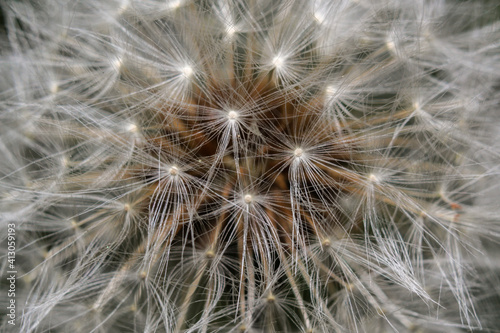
169	165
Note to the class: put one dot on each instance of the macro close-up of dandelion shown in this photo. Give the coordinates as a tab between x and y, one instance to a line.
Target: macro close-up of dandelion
250	166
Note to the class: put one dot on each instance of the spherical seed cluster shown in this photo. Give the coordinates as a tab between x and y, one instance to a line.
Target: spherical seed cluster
251	166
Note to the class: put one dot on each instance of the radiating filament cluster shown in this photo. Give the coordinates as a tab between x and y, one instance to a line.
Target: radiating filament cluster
251	166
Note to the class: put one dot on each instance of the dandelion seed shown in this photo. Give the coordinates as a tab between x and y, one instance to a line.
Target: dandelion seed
54	88
416	106
117	64
231	30
331	91
319	17
391	46
132	128
124	5
187	71
248	198
65	162
174	4
173	171
298	152
278	61
232	115
210	254
373	178
326	243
